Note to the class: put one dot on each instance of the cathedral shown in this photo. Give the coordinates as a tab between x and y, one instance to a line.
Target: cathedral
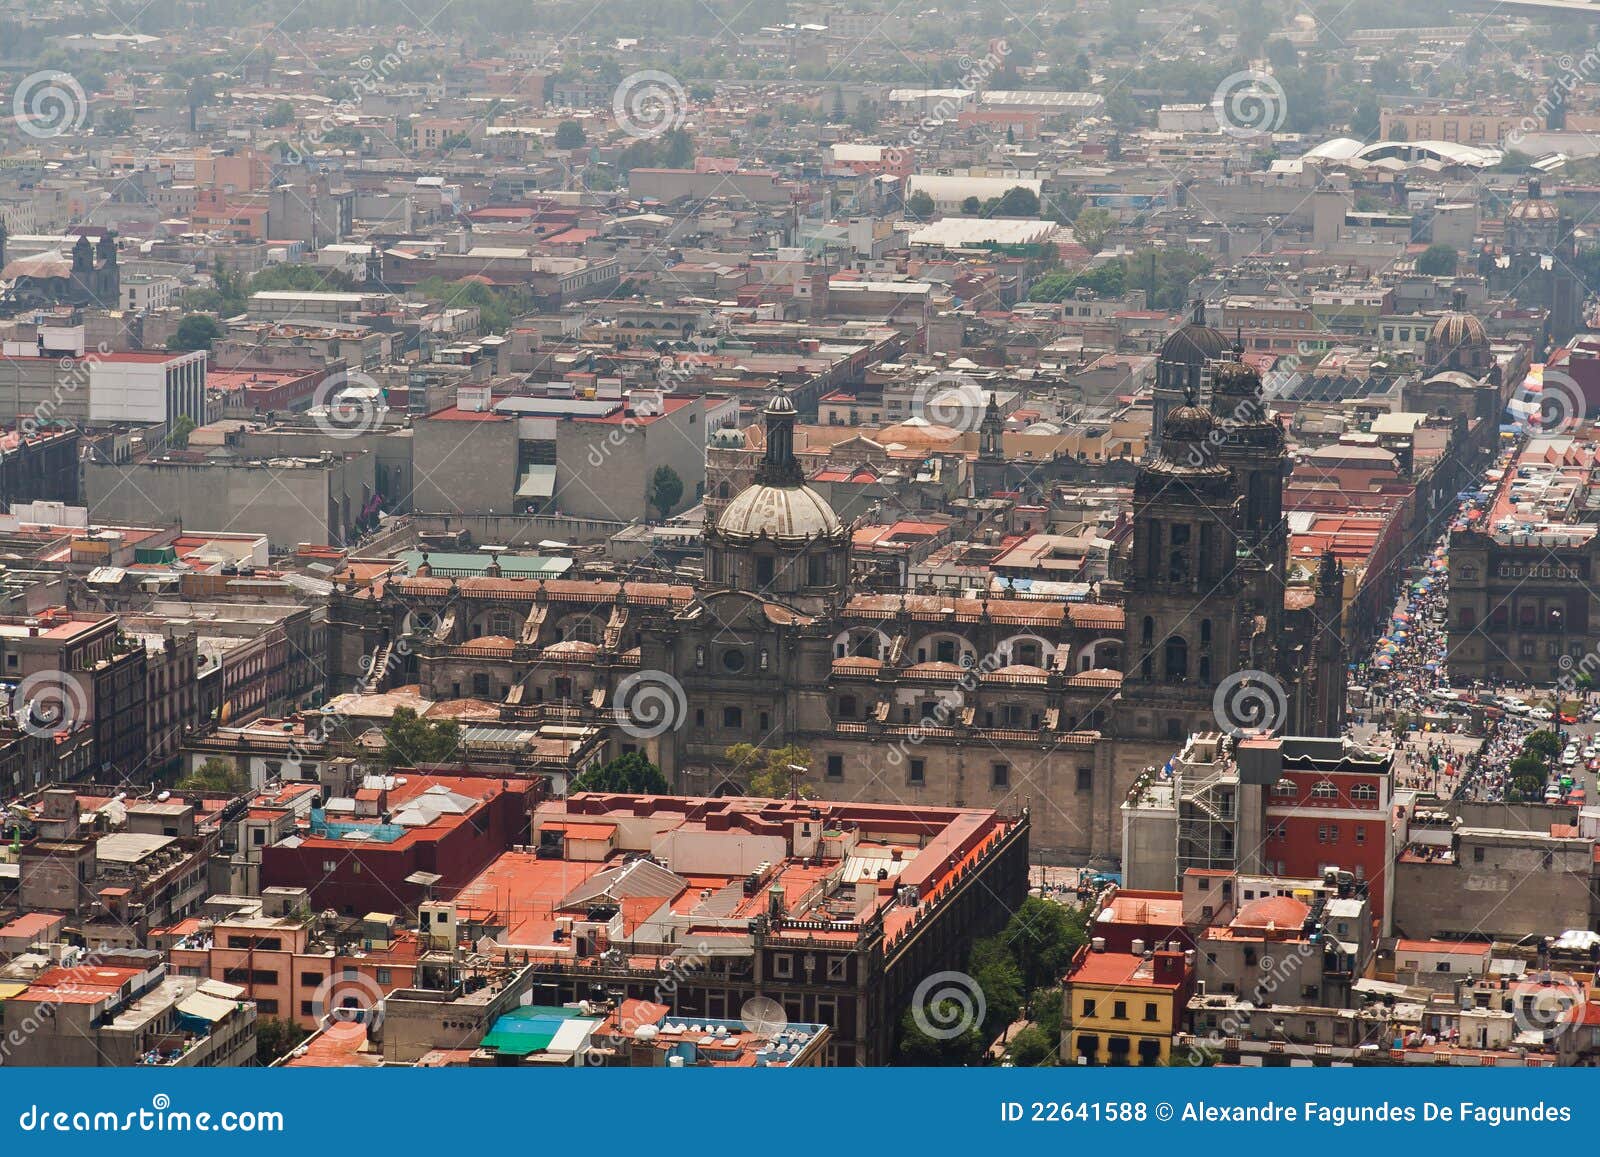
1003	702
86	275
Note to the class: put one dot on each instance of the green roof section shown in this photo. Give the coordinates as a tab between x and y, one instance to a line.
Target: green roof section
529	1030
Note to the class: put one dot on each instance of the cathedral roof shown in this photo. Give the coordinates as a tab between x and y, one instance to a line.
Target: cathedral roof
778	512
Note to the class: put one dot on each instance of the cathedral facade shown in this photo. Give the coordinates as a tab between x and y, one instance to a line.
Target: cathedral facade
1008	703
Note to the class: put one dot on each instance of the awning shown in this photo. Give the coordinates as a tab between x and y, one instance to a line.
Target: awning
537	482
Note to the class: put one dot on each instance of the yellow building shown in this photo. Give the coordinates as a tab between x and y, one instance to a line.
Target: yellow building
1123	1008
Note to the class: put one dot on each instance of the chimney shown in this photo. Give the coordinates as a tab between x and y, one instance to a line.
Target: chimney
1170	968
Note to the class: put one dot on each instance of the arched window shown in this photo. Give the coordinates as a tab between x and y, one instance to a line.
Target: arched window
1325	790
1177	659
723	491
1149	631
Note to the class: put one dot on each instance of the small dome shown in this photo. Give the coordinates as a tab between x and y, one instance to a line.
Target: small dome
1456	329
1237	380
781	512
1534	209
1188	424
1279	911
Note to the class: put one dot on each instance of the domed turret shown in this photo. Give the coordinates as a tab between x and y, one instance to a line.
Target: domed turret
1182	367
1458	342
778	536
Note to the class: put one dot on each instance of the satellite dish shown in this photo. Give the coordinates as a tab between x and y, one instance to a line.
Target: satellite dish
764	1016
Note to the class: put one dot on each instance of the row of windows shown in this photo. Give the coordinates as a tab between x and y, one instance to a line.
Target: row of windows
1119	1009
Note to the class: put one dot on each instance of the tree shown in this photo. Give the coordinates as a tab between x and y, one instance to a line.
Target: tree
1091	226
1543	743
195	332
920	205
1042	937
1033	1048
1016	201
410	741
1438	261
215	774
276	1038
1282	55
666	488
279	115
569	135
919	1048
972	206
768	773
181	429
116	121
630	773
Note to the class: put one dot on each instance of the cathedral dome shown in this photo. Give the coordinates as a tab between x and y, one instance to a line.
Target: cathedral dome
778	512
1457	329
1195	344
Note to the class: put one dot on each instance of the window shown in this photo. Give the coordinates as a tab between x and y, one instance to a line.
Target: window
837	967
384	976
1285	788
1000	775
1477	855
733	661
783	966
1150	1010
1325	790
310	979
267	1007
306	1008
835	767
916	773
1085	778
732	717
1364	793
1088	1008
1119	1009
1361	833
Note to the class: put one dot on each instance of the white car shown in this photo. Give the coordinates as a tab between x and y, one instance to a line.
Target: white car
1542	714
1515	706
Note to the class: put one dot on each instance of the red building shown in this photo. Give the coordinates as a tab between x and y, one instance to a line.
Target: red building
380	851
1323	813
